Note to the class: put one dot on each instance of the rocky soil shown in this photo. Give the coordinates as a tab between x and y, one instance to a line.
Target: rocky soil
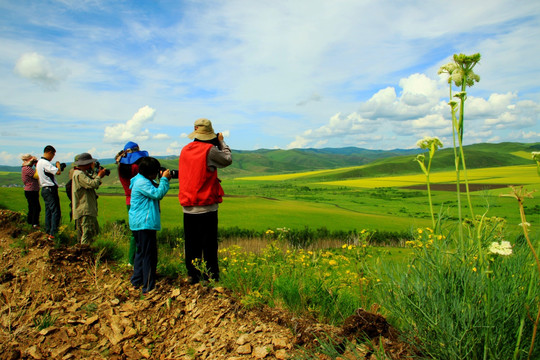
65	303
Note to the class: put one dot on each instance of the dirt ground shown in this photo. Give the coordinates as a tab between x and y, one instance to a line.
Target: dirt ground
63	303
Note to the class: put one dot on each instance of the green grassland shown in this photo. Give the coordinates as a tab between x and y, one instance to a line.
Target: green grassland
343	198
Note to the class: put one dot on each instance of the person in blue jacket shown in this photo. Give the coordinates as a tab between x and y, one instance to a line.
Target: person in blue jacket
145	220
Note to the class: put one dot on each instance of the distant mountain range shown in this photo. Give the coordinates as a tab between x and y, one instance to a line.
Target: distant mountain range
378	162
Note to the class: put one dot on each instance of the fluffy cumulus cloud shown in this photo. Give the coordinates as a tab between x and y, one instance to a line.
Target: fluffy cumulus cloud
7	158
37	68
419	109
348	129
132	130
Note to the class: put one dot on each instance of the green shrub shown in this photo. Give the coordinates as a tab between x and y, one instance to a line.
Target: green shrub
109	249
452	304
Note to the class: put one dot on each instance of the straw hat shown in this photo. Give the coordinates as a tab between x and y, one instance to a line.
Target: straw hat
28	159
203	130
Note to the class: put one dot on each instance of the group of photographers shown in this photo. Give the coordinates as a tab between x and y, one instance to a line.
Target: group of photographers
199	194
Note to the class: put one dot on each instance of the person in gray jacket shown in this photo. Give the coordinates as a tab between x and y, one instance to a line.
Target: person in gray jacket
84	197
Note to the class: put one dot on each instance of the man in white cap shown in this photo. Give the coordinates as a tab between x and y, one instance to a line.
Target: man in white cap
199	193
84	197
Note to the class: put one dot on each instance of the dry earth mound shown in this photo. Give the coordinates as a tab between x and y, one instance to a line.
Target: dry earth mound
64	303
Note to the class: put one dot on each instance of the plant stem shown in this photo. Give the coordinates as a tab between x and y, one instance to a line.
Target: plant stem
526	233
460	138
456	163
429	189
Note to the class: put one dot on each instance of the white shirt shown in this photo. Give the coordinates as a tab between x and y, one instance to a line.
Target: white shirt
46	172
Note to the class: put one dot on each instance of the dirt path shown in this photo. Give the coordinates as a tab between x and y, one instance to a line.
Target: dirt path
63	304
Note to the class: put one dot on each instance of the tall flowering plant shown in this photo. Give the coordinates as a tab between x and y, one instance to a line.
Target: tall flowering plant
432	144
466	296
460	73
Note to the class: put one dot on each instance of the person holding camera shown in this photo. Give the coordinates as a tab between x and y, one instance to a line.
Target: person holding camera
200	192
85	182
145	220
128	161
31	189
49	189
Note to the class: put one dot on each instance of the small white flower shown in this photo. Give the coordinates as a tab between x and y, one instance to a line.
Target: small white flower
504	248
526	224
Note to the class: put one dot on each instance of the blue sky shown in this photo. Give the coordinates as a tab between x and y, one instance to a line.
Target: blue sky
90	75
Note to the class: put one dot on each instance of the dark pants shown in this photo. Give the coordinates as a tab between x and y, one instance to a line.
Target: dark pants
201	242
146	258
34	208
52	209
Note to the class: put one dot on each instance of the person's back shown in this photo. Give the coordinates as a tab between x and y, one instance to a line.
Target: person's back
145	220
84	197
145	195
200	193
199	185
83	194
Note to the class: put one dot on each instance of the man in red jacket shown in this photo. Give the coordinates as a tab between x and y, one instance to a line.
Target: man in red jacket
200	193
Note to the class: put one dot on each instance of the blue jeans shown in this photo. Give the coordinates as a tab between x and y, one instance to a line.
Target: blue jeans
53	213
146	258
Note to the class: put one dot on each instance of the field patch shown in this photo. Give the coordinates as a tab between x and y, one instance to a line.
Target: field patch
452	187
292	176
505	175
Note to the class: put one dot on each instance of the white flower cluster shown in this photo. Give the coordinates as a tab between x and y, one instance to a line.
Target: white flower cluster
428	141
536	155
504	248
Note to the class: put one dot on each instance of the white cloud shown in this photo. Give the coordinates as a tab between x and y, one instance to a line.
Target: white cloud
38	69
174	148
9	158
506	114
161	137
339	127
132	130
525	135
421	109
430	121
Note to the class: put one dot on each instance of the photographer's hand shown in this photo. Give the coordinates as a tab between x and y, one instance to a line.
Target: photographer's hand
167	174
220	136
59	167
101	172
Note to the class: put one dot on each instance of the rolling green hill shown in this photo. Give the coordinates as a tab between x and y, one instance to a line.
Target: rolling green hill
477	156
356	162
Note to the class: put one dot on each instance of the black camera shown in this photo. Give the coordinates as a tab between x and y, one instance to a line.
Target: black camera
174	173
99	167
62	166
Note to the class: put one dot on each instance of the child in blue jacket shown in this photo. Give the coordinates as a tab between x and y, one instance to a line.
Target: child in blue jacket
145	220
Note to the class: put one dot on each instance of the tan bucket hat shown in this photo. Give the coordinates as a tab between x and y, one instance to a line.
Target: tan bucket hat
203	130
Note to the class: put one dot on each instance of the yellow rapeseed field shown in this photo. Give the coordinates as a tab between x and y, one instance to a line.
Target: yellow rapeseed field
282	177
510	175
